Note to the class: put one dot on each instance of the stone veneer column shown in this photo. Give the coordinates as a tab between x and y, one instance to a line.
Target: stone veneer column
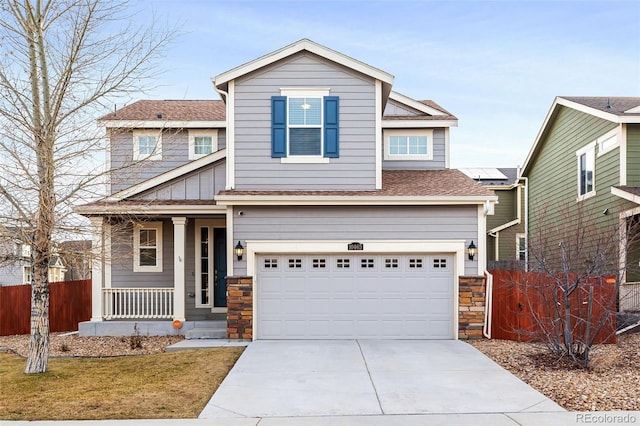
240	307
471	302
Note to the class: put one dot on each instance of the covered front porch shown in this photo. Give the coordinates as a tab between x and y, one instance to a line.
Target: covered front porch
160	274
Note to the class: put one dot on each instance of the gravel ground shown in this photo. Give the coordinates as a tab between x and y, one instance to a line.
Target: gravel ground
65	345
612	382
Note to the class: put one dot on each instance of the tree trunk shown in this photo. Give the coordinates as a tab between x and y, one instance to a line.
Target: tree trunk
38	356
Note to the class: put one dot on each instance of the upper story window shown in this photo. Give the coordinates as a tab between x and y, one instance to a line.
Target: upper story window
147	247
586	171
202	142
304	125
147	145
608	142
408	144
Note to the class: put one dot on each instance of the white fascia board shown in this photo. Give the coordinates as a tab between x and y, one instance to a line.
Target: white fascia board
625	195
399	97
408	124
167	176
155	124
312	200
504	226
146	209
541	132
299	46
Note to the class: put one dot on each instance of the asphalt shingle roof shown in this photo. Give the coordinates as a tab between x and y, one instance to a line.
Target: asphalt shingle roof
612	104
170	110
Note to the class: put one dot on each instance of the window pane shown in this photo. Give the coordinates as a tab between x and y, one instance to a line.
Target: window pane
304	141
422	145
203	145
413	145
146	145
305	111
148	237
148	257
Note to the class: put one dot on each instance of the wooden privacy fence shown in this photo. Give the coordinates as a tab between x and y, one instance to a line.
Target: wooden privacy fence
524	309
69	304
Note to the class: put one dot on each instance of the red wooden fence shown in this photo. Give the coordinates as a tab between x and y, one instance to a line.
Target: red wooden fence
69	304
522	311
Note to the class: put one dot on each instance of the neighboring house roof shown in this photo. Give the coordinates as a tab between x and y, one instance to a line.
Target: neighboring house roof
492	176
167	113
617	109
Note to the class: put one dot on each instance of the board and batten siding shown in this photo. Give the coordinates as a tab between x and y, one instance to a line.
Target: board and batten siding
439	155
553	178
633	154
353	223
254	167
175	153
202	184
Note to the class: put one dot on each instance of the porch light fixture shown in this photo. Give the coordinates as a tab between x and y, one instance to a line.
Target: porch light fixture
471	250
239	250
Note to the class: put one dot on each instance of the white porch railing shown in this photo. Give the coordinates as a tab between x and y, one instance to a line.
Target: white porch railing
630	297
140	303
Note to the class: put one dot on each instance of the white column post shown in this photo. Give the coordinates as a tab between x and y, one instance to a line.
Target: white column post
179	238
97	255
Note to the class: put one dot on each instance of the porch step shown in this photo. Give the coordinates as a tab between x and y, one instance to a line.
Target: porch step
207	330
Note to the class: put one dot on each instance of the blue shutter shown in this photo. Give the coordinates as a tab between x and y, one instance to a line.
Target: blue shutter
278	126
331	127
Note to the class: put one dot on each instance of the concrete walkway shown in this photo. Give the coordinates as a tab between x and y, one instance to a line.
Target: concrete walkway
369	378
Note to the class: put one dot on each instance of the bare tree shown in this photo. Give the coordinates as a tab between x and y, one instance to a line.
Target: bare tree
578	259
63	61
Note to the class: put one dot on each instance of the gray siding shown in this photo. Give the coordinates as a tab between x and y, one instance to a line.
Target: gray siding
201	184
352	223
175	153
12	274
438	161
254	167
122	274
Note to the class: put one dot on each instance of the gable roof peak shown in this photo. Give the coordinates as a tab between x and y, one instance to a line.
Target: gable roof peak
221	80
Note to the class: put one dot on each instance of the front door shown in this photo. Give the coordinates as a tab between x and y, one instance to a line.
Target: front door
211	264
220	267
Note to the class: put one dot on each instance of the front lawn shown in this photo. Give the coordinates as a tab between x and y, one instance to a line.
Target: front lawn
166	385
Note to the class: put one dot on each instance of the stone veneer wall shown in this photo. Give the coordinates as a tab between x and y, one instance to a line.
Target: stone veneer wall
239	307
471	301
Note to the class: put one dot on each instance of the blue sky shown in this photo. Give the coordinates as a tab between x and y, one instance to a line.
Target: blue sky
496	65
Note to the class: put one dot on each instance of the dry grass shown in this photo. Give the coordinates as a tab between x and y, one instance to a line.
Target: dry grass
166	385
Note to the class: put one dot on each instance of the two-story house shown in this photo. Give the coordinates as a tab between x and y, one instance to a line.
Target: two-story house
506	237
313	201
585	165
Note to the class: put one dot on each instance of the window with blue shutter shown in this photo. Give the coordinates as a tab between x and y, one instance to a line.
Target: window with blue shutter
304	124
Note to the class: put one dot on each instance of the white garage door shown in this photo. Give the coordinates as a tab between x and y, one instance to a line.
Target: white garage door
355	296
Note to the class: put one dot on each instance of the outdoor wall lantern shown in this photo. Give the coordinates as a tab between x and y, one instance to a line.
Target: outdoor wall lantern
239	250
471	250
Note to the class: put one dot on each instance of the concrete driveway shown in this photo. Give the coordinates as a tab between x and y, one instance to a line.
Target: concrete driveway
369	377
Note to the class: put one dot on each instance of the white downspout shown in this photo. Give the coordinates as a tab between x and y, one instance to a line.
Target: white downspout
488	305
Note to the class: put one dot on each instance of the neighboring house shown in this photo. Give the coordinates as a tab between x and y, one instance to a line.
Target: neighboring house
77	256
506	238
15	258
586	158
313	198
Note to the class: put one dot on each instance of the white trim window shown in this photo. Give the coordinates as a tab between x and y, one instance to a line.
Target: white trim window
586	171
521	247
608	142
305	120
147	145
202	142
147	247
412	145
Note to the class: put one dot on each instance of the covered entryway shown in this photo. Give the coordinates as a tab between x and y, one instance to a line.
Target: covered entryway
346	296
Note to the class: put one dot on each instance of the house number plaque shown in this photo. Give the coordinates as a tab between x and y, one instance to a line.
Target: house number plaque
355	246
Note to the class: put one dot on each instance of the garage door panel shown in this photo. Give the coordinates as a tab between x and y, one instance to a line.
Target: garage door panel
355	296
